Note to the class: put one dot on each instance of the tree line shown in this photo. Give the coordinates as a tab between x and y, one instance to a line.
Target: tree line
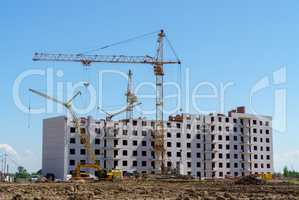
290	173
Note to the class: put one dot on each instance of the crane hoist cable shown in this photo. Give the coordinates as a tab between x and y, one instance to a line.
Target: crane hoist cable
171	47
86	68
179	70
86	83
180	85
121	42
87	79
29	111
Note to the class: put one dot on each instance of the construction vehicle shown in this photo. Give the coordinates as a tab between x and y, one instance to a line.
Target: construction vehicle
78	175
157	62
265	176
113	175
84	137
254	179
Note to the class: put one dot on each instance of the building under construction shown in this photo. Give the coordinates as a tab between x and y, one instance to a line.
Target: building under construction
203	146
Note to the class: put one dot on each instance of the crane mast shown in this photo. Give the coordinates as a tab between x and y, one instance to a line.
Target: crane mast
157	62
131	97
159	126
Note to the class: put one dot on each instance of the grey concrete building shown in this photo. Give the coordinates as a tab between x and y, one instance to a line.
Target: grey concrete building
203	146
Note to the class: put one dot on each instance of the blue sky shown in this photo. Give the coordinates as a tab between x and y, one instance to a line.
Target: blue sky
218	41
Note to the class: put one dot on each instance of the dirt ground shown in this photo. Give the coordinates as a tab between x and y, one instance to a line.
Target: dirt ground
148	190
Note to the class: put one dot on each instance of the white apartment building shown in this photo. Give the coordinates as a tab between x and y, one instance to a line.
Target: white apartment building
203	146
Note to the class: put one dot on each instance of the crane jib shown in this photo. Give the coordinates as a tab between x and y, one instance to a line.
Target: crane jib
88	59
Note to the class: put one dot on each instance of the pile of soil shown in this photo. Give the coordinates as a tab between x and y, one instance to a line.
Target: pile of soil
250	180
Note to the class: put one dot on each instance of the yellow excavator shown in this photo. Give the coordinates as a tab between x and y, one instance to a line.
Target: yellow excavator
265	176
85	140
101	174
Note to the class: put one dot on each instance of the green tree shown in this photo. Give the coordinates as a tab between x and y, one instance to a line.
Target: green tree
290	173
285	171
22	173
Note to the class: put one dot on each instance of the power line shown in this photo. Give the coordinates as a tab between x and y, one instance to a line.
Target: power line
29	110
4	160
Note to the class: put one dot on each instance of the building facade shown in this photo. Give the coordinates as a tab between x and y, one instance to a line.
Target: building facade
203	146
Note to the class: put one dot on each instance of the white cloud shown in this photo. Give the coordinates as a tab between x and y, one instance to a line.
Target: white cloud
25	158
9	149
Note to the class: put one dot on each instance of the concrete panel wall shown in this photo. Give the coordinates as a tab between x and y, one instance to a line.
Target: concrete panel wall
210	146
54	159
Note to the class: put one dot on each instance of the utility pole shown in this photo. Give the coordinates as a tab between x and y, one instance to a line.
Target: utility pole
5	163
3	166
2	159
8	179
2	162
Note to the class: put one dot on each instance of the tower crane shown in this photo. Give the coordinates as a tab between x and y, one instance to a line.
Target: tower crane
157	62
84	137
131	102
131	97
109	116
67	104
